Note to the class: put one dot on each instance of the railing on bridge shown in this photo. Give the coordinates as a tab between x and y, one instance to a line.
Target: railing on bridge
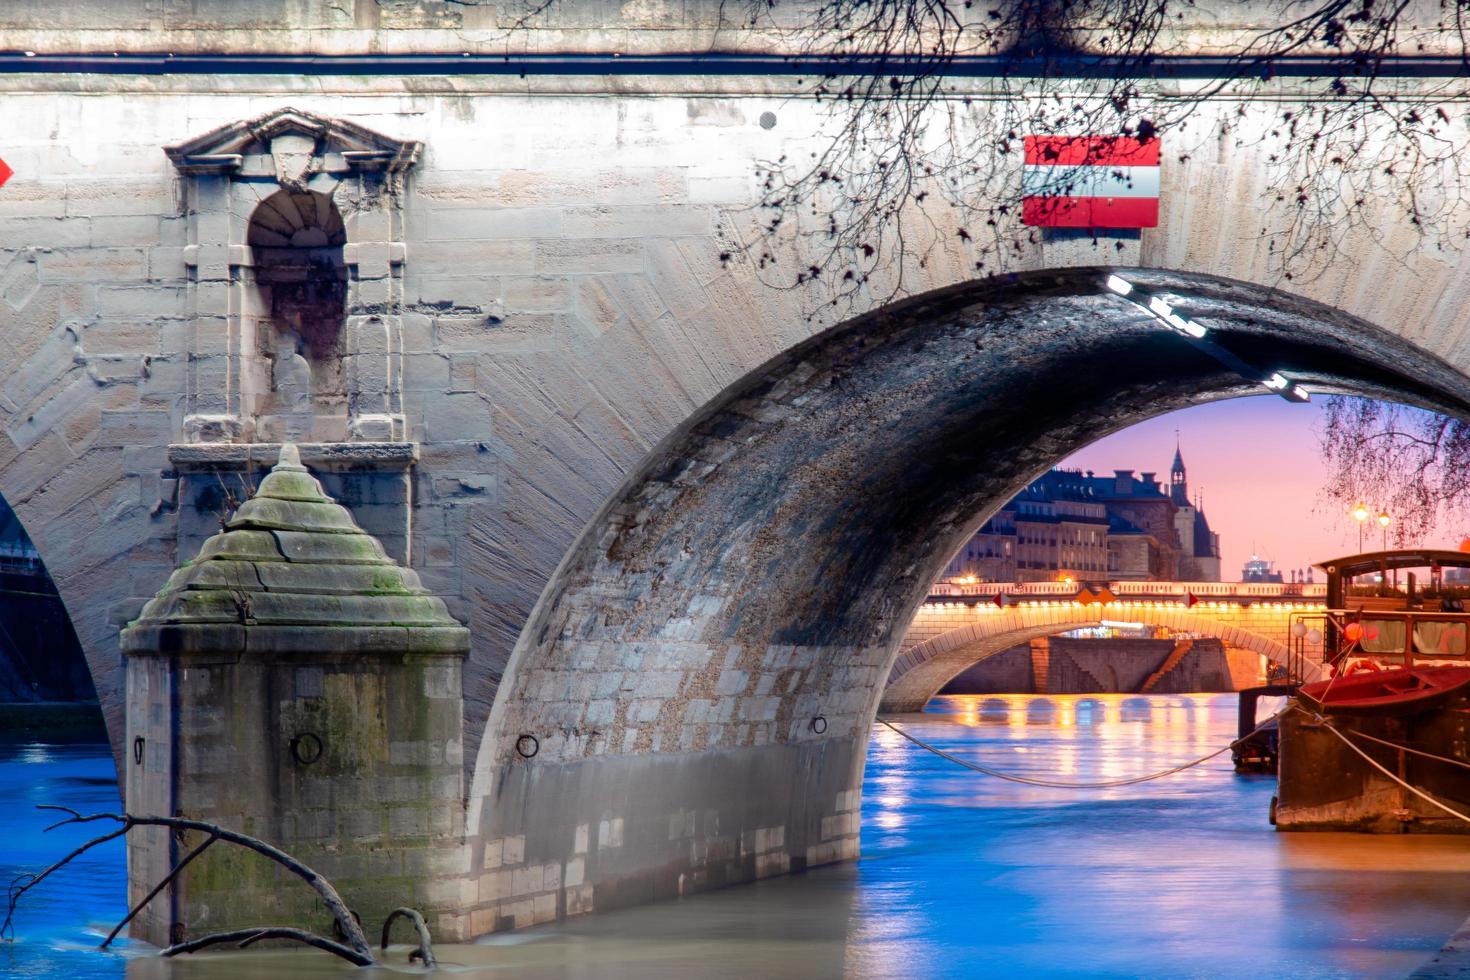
1284	591
19	560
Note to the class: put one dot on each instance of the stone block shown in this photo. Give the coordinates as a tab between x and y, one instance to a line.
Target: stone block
125	336
589	256
113	196
579	900
463	373
460	486
732	682
610	833
48	232
113	231
483	921
94	265
147	301
482	224
20	279
470	258
135	428
635	221
536	294
721	190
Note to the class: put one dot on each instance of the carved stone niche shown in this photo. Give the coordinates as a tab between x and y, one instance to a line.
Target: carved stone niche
296	280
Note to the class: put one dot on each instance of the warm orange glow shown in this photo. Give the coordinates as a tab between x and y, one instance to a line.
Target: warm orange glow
1360	512
1384	520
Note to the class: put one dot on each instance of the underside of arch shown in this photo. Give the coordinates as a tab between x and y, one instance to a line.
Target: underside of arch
711	651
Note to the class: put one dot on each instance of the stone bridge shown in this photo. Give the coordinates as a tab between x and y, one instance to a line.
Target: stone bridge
687	515
961	625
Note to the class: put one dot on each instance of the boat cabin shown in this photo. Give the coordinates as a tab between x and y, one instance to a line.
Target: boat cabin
1397	609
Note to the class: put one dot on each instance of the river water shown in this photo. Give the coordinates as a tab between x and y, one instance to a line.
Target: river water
962	875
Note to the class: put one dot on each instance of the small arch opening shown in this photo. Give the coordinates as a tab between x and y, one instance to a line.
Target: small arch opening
297	239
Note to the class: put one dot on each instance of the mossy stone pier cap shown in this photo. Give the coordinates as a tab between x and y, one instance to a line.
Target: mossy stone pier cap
292	573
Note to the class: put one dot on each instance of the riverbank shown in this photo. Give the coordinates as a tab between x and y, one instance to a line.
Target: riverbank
52	722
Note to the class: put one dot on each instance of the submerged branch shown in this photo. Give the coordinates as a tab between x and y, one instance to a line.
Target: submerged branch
247	936
355	950
425	951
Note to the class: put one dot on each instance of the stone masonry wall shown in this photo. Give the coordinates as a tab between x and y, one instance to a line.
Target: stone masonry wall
372	798
564	310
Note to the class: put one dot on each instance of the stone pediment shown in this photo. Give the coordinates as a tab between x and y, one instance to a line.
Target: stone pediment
300	142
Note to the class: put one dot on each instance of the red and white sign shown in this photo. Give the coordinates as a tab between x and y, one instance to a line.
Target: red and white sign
1090	182
5	173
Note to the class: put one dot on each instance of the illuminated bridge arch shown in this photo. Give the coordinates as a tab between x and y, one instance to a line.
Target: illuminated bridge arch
923	669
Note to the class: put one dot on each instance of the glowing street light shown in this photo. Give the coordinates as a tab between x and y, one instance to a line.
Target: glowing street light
1360	514
1384	521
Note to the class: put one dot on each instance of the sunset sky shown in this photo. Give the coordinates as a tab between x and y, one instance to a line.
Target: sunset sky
1258	464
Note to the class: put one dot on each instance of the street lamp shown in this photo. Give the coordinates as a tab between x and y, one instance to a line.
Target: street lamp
1383	521
1360	514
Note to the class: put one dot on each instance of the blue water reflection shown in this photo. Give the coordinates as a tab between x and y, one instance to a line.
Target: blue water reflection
963	875
61	921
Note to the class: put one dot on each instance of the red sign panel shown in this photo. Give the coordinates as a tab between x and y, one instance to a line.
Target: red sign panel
1090	182
5	173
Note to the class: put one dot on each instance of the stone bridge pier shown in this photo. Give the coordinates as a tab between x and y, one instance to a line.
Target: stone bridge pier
498	303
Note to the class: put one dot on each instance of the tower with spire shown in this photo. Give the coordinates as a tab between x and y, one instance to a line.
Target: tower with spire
1178	487
1199	545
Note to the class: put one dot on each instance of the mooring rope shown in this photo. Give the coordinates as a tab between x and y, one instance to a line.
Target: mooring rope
1410	749
1060	784
1375	764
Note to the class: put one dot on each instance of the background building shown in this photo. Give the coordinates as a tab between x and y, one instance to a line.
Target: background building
1259	569
1075	524
40	659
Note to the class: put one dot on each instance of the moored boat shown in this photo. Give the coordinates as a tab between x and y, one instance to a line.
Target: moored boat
1379	744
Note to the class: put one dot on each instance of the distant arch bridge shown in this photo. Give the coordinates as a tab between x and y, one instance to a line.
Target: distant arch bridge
961	625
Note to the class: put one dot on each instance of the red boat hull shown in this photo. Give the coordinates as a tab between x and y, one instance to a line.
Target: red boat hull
1395	691
1325	783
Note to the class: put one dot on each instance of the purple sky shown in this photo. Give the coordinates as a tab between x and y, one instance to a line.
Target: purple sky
1258	464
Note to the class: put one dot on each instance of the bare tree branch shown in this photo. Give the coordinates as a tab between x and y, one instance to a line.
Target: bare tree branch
1413	464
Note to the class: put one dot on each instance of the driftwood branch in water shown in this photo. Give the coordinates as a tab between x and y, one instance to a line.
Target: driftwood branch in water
254	935
425	951
162	884
355	950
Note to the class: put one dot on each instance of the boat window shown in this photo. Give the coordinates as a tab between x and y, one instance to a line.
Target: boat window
1439	638
1382	636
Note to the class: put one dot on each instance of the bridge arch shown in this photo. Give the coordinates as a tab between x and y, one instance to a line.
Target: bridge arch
710	653
920	671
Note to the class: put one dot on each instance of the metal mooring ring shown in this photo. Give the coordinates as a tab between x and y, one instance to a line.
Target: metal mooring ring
138	743
819	724
306	748
527	746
